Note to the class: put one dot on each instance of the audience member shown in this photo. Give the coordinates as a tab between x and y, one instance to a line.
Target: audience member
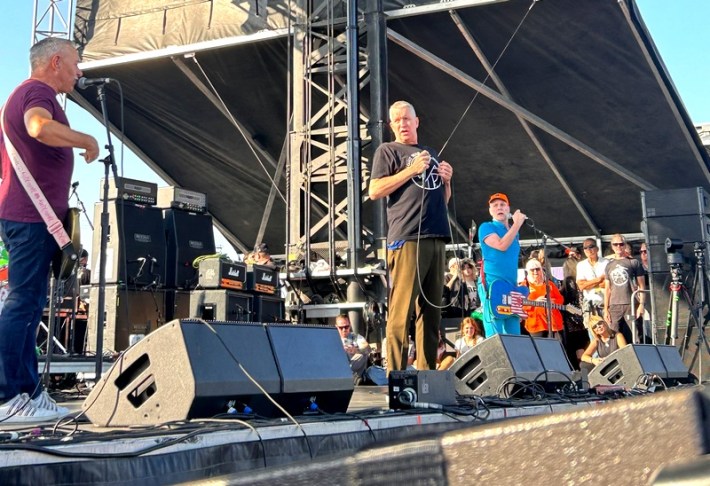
590	280
623	275
605	342
461	291
569	268
576	337
537	323
356	347
471	334
260	256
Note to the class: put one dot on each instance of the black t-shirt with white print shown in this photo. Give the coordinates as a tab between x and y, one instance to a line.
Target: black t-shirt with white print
403	205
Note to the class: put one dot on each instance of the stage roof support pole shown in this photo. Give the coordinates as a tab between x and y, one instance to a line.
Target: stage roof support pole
354	181
379	93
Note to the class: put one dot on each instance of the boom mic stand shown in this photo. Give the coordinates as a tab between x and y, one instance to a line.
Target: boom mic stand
109	166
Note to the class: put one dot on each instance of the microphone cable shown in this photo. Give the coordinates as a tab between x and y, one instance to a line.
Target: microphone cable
488	73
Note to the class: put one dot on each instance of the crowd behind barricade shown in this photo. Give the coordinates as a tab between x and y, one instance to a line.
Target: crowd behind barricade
590	308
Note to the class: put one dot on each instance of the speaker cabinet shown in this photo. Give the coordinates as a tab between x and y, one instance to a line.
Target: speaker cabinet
688	229
127	312
135	251
177	304
675	202
221	305
188	236
268	309
189	369
624	366
484	368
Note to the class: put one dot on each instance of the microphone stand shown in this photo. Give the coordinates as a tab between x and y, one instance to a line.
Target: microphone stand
75	193
548	307
109	166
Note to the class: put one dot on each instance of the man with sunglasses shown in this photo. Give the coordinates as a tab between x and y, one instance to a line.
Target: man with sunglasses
622	276
356	347
590	280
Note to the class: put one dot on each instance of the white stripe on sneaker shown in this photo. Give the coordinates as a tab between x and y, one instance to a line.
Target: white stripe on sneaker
23	410
44	401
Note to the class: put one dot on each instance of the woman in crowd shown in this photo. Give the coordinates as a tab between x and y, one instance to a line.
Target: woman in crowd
471	334
536	322
460	289
604	343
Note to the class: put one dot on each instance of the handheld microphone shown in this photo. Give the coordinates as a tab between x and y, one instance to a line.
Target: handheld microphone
510	216
84	83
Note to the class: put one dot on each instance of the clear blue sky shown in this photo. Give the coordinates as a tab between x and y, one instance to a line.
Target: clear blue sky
678	27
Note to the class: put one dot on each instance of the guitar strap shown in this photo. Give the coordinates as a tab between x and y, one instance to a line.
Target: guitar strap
54	226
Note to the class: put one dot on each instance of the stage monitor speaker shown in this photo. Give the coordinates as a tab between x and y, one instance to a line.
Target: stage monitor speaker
188	235
484	368
188	369
135	251
221	305
128	312
626	365
312	365
268	309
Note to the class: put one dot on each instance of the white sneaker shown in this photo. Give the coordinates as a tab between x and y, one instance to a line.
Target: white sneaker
44	401
23	410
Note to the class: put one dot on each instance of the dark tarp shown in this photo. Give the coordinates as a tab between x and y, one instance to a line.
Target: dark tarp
582	66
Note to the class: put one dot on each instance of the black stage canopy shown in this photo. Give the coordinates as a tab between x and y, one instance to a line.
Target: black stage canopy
581	117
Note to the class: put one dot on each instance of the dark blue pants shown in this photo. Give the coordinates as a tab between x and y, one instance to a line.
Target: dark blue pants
30	248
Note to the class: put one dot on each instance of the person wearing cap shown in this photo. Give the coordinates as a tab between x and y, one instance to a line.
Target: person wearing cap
536	323
500	247
417	185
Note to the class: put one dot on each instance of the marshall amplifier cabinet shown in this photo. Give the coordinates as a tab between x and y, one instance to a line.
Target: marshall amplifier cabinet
218	274
262	279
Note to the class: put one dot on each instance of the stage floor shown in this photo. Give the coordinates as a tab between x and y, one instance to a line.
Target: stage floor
77	452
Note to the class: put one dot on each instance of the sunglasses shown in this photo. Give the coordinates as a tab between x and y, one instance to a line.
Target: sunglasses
643	251
618	244
599	324
590	247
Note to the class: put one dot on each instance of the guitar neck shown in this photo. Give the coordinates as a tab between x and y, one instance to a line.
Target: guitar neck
537	303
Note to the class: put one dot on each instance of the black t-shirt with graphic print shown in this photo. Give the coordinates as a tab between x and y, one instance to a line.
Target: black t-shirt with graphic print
403	204
622	275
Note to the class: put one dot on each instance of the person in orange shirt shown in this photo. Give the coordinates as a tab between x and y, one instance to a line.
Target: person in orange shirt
536	323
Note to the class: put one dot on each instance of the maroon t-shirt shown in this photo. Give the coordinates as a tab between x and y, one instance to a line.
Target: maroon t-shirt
51	166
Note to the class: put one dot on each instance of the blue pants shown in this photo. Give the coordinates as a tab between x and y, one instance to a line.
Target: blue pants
30	248
493	325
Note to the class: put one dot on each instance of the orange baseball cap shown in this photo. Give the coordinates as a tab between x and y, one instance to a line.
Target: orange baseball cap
498	195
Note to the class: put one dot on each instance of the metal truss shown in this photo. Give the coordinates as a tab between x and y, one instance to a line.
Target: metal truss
328	176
